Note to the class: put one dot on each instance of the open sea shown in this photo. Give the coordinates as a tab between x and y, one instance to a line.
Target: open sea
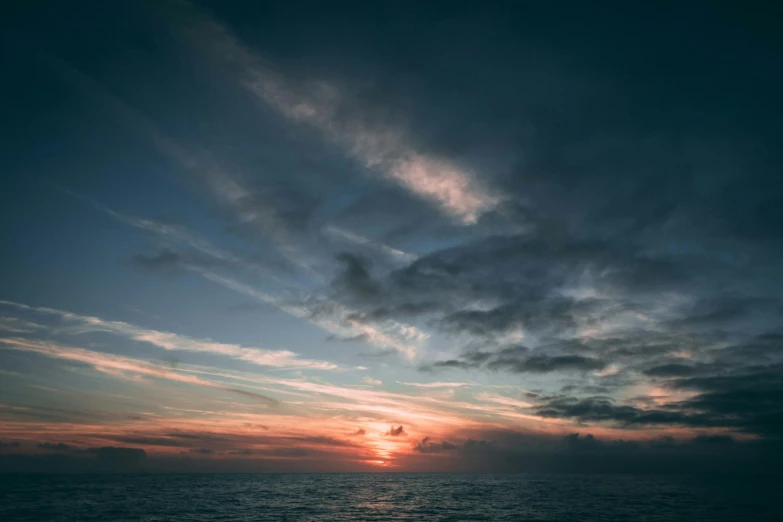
387	496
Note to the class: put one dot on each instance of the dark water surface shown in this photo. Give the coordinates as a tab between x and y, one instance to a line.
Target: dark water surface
387	496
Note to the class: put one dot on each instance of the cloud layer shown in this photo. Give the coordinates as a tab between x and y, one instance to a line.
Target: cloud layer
290	237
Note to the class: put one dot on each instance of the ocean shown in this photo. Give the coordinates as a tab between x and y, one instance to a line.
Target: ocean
387	496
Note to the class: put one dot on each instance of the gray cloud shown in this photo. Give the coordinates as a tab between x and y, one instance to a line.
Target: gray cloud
580	452
164	260
516	359
356	280
119	457
55	447
395	432
428	446
671	370
546	364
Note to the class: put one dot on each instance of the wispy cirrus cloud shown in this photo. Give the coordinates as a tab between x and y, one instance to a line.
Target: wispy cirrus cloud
117	365
335	319
16	325
436	384
501	399
385	149
226	187
339	322
373	411
175	342
398	255
180	235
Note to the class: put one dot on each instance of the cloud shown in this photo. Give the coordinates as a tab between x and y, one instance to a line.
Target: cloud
515	360
427	446
207	255
594	409
227	189
175	342
371	381
339	321
325	106
395	432
118	365
120	457
356	279
671	370
500	399
54	447
622	255
546	364
14	325
579	452
747	409
749	398
165	259
436	384
398	255
290	452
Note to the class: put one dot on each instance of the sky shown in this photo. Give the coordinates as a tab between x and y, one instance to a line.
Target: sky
390	236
